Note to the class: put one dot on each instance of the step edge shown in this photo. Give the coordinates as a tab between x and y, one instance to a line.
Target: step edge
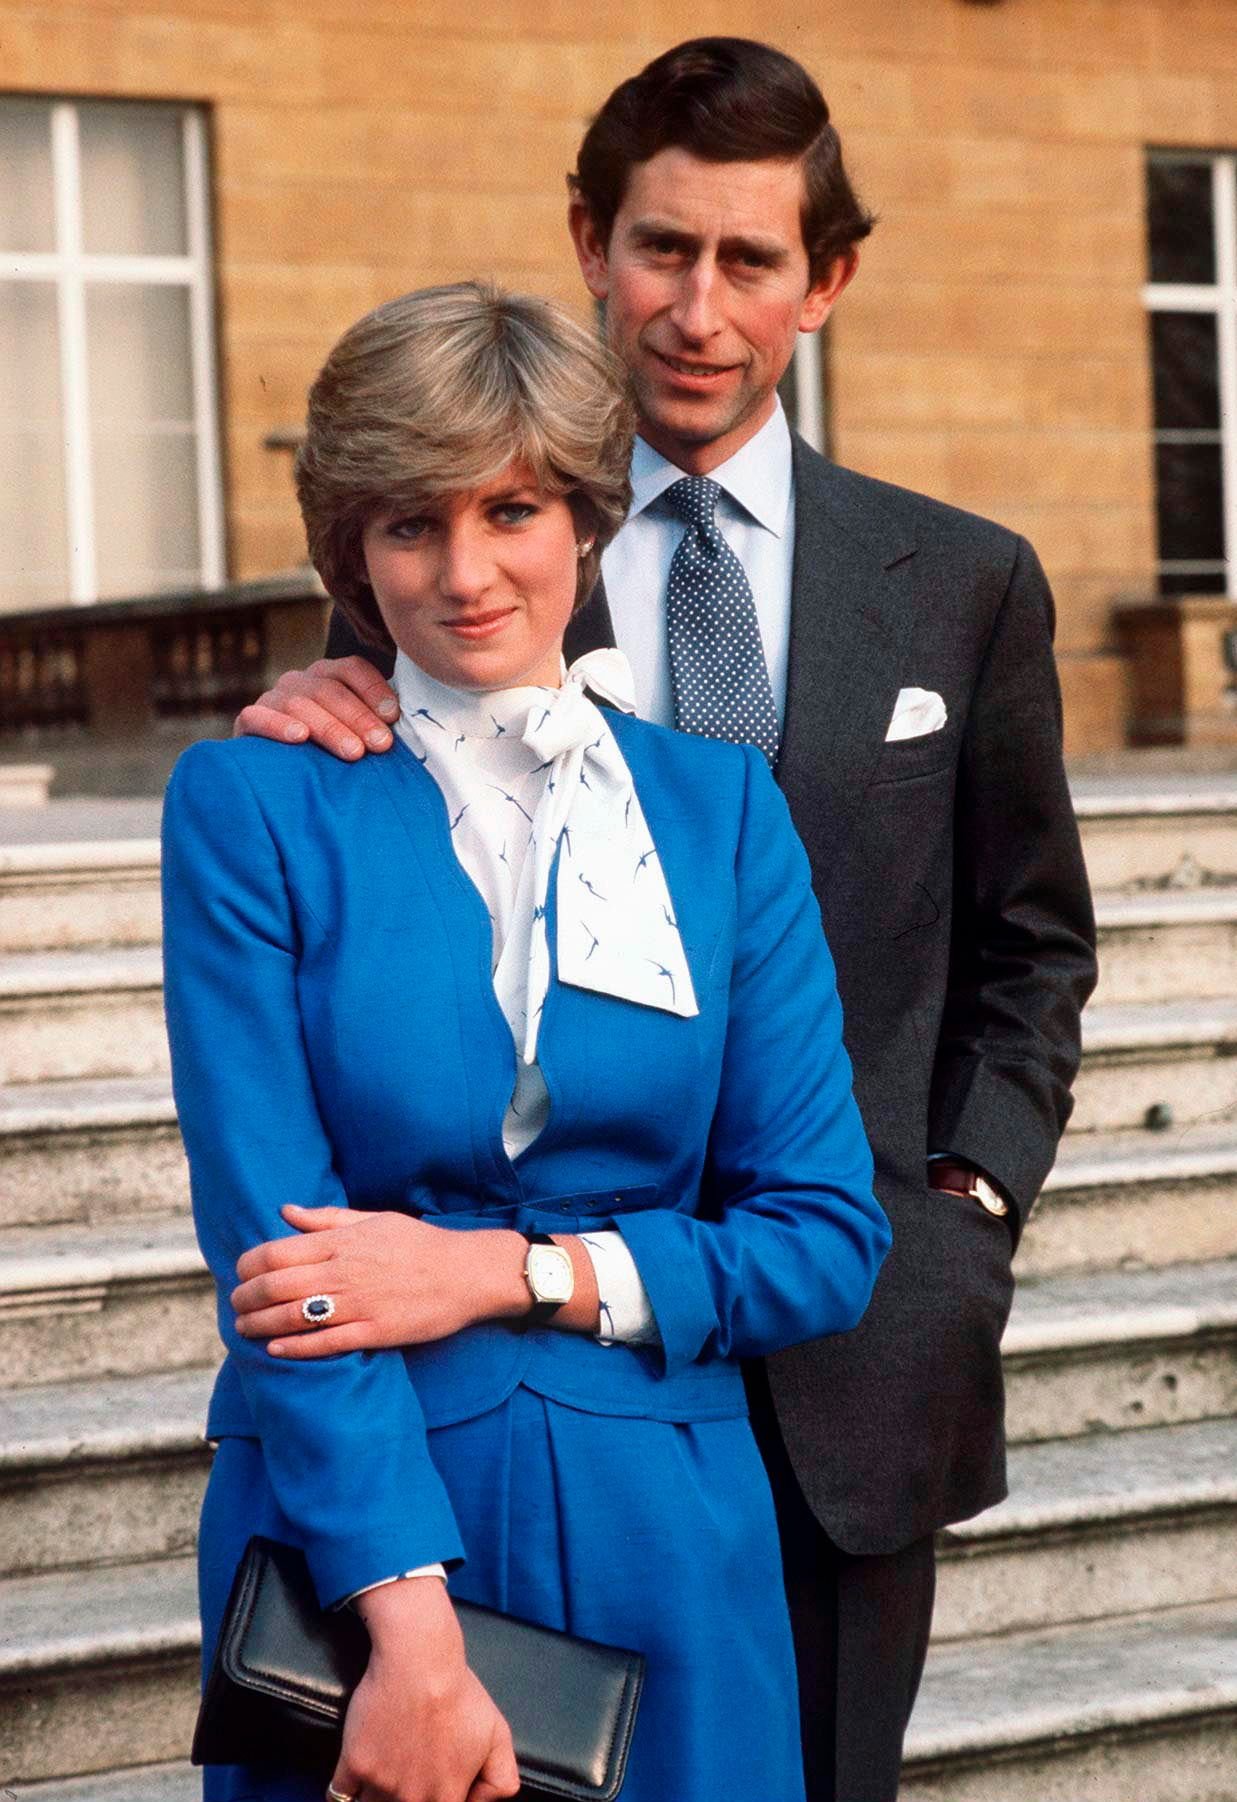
1048	1727
1130	1326
162	1440
112	1786
30	1278
80	856
1078	1514
179	1636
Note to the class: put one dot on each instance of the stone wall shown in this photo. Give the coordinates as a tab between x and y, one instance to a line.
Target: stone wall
993	350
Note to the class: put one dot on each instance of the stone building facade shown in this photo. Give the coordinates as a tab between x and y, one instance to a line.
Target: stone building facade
994	350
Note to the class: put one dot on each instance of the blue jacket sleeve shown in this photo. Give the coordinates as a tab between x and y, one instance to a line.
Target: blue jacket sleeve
343	1438
791	1236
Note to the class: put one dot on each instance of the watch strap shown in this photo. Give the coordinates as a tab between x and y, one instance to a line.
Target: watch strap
541	1311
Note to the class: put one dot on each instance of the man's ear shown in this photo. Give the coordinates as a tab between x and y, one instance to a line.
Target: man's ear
824	294
590	249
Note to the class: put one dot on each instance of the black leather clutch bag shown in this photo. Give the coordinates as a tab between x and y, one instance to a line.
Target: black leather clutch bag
283	1672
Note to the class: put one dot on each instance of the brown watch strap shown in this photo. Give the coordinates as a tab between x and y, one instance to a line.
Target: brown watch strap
956	1178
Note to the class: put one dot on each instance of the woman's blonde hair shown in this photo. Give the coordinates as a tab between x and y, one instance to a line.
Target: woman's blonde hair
437	392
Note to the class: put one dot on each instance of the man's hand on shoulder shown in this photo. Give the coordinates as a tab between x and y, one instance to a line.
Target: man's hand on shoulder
340	703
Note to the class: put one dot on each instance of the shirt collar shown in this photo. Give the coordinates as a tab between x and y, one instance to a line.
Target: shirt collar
758	477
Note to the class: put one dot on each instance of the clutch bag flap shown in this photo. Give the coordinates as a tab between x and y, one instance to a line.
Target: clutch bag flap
284	1670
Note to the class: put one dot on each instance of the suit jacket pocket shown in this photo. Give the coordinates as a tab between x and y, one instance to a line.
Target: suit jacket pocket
909	757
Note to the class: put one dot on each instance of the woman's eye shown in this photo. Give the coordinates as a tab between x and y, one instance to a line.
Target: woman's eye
514	513
408	529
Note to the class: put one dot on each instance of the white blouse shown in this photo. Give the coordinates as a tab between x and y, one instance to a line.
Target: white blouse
519	769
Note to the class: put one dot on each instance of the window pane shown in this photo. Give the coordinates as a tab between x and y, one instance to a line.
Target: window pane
139	349
142	434
146	523
1174	582
1189	493
34	567
1186	368
133	180
27	217
1179	223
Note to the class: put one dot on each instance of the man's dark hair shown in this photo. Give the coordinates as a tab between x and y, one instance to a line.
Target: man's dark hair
726	100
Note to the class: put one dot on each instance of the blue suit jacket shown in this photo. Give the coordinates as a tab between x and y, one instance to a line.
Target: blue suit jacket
336	1039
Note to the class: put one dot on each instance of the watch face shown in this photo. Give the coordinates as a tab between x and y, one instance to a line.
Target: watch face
550	1275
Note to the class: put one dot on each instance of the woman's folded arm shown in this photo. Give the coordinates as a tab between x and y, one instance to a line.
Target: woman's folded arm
344	1438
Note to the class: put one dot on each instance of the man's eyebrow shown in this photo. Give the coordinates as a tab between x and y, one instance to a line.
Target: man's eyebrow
646	229
768	250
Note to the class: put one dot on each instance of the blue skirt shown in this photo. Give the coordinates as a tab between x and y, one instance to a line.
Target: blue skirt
641	1533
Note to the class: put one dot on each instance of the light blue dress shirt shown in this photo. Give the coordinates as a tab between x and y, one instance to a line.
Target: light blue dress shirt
756	515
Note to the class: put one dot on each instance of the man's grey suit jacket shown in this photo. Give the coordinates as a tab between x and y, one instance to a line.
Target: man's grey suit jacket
952	888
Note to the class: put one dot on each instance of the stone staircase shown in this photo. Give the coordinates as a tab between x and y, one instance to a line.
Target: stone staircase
1086	1630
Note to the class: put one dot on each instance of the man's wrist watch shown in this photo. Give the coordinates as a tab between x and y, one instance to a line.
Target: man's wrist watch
550	1277
964	1179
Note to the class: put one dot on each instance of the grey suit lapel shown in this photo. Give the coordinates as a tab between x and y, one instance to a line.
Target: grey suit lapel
851	611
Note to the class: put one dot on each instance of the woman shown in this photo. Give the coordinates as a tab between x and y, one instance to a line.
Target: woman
545	971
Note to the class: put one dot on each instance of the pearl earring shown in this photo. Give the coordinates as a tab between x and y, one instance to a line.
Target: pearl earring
583	546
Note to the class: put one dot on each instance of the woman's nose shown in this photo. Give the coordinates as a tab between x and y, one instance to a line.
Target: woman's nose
464	568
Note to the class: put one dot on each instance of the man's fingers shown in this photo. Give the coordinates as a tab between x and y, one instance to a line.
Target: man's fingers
358	674
259	720
324	729
340	701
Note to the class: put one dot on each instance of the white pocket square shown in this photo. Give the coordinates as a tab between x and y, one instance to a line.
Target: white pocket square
916	712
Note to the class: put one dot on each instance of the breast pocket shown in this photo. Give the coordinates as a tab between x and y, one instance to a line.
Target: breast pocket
907	758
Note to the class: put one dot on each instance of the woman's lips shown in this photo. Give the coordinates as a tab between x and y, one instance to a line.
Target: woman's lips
479	625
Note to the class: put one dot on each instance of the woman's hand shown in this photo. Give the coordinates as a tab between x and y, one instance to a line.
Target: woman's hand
420	1727
394	1281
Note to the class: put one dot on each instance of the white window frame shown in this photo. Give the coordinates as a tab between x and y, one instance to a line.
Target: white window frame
809	376
69	267
1218	298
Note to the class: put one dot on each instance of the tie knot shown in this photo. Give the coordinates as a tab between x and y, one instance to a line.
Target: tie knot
694	499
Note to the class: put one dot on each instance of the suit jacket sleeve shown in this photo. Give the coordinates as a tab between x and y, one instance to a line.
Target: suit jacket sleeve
343	1438
1022	951
342	641
791	1237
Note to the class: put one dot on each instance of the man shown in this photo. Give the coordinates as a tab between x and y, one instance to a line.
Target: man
894	657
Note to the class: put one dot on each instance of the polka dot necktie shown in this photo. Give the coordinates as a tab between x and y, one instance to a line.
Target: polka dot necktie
717	662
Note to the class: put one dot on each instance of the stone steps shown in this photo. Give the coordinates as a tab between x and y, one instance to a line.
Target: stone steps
1167	945
102	1472
1138	1710
111	1680
108	1148
1050	1675
1111	1524
1140	1056
77	1304
81	1013
145	1783
1147	831
60	896
92	1150
1136	1198
1103	1351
